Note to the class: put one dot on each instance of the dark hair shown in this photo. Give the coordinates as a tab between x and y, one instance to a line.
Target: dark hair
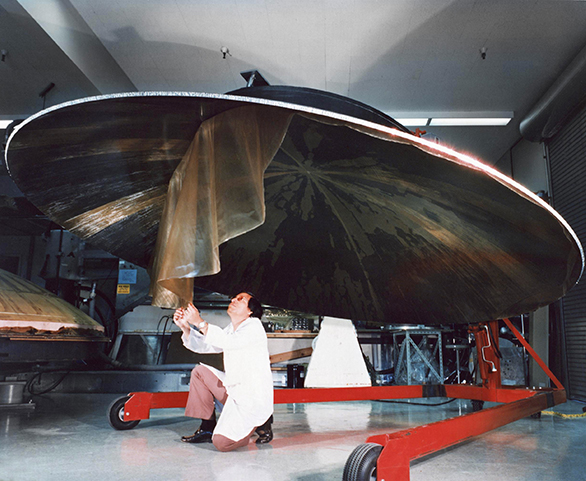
255	306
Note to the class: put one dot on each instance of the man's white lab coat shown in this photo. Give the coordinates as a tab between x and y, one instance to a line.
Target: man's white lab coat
247	377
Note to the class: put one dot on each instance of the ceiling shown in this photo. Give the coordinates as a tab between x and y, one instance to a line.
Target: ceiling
404	57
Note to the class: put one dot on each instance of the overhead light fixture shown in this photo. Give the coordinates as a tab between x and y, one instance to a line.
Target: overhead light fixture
453	119
5	123
413	122
470	121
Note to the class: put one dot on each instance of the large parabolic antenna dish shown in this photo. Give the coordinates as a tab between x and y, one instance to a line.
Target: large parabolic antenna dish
29	310
362	220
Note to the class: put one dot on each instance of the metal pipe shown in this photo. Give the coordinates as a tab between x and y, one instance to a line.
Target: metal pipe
547	116
487	347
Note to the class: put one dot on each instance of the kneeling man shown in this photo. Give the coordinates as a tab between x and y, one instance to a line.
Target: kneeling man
245	388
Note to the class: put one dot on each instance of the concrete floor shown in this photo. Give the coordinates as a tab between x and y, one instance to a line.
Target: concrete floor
67	437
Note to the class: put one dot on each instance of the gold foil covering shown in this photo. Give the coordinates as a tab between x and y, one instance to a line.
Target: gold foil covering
216	193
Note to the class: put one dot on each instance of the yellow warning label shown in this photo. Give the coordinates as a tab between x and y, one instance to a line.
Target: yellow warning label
123	289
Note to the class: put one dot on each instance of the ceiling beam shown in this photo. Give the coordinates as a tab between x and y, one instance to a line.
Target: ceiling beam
62	22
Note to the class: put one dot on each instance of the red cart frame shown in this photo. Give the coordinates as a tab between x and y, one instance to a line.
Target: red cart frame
401	447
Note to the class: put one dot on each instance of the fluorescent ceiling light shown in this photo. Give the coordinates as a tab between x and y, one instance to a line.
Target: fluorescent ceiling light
413	122
469	121
453	118
5	123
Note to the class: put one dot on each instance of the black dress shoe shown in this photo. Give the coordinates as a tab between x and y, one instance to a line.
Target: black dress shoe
265	432
198	437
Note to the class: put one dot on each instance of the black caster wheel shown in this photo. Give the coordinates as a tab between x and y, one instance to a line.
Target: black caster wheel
116	415
477	405
361	465
536	415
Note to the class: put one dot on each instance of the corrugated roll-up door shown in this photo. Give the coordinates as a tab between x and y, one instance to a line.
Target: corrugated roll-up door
567	162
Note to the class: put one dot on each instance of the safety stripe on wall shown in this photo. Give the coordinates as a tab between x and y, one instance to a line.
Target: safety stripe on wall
567	163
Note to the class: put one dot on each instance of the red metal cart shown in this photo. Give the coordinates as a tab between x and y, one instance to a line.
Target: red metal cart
387	457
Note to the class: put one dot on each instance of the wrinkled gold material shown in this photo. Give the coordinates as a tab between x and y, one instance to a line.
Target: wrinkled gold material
216	193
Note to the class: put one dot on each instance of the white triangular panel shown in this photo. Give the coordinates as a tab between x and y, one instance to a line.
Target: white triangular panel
337	359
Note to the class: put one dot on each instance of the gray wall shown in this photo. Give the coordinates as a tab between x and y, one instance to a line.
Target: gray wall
30	251
525	162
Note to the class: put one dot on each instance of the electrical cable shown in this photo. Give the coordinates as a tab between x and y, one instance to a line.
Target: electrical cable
102	295
108	322
100	314
29	384
167	319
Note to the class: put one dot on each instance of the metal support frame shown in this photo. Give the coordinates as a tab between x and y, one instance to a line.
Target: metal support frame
405	356
401	447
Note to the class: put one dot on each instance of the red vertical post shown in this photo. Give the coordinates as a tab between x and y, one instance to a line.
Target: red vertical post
487	344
